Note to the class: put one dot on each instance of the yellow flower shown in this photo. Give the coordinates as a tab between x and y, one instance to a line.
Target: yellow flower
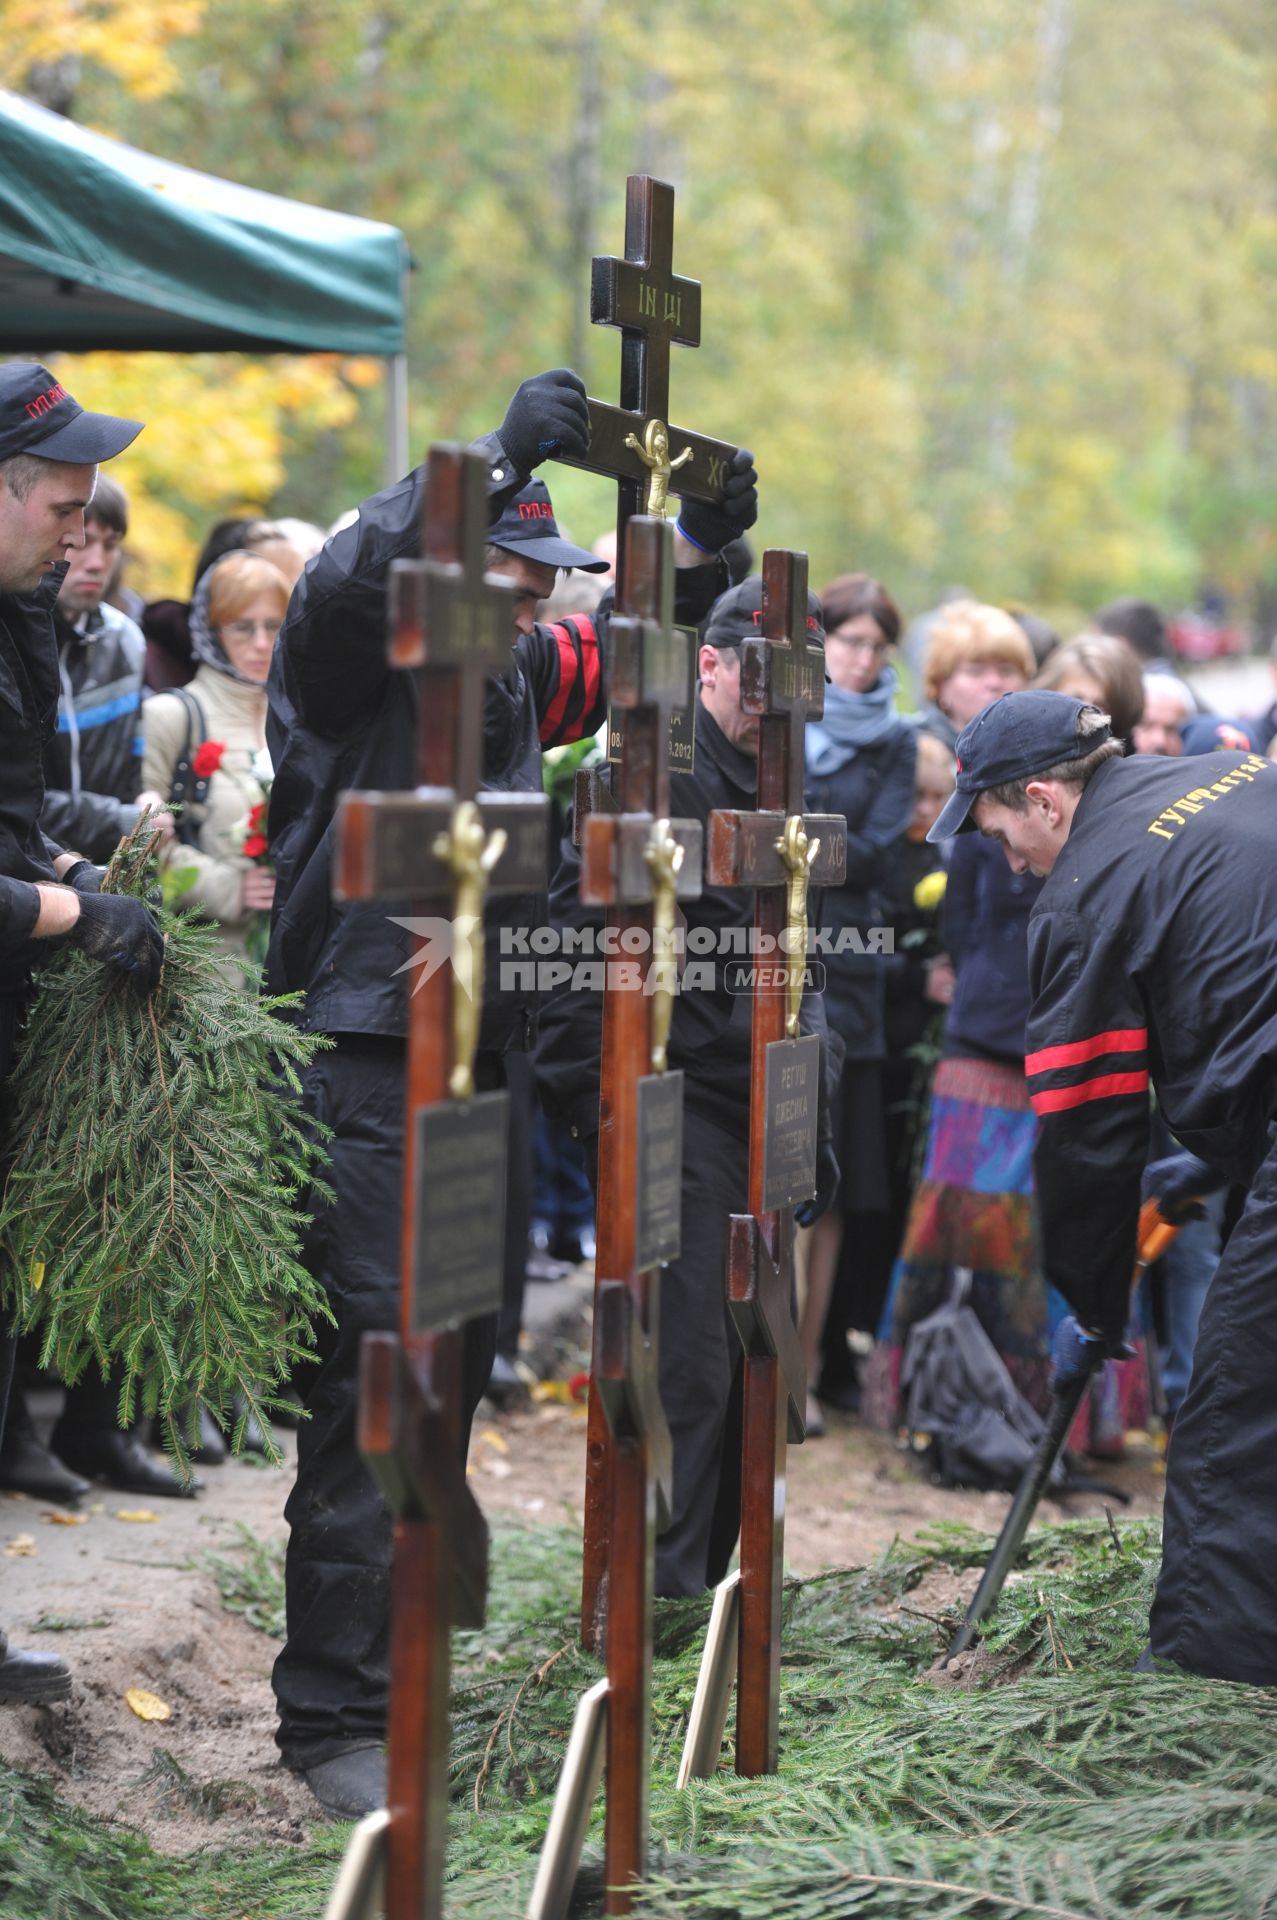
929	891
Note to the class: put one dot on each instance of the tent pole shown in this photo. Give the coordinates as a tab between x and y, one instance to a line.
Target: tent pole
397	462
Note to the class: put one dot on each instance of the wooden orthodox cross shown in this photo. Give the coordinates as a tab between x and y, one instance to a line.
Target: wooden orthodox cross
637	863
440	848
653	308
778	851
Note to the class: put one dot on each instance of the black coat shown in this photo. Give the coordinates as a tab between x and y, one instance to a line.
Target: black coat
341	718
1152	954
985	926
710	1030
28	718
875	793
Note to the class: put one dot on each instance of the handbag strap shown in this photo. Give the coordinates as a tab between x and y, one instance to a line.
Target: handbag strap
188	788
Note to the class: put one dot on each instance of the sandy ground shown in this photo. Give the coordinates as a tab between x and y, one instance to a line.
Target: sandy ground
140	1609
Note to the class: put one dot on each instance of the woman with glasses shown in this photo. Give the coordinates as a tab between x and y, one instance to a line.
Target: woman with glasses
860	762
216	727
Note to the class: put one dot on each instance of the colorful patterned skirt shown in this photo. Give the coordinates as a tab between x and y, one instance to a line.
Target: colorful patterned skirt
973	1208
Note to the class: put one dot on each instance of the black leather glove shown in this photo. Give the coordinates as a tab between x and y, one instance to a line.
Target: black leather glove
121	932
711	527
827	1175
84	877
1178	1183
547	417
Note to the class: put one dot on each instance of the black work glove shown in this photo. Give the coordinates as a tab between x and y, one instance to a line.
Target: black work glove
827	1173
1178	1183
547	417
84	877
121	932
711	527
1076	1354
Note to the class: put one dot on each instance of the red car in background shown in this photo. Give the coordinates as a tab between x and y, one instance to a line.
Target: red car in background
1195	635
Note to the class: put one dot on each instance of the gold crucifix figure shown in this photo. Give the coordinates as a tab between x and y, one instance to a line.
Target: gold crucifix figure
798	853
470	854
664	859
654	451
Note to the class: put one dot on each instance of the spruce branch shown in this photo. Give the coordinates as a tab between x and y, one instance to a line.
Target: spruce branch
155	1153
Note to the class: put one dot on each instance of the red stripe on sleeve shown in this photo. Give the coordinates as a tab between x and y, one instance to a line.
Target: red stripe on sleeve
553	718
593	675
1056	1099
1076	1052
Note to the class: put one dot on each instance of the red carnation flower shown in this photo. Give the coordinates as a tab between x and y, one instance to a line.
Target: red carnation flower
257	818
255	845
208	758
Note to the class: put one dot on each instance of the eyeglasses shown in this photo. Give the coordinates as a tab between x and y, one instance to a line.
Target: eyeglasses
245	629
857	643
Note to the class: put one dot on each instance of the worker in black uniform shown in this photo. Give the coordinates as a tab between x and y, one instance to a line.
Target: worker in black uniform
341	717
700	1354
1153	956
50	448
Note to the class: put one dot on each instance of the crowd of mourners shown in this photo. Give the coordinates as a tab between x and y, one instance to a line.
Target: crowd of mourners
236	716
163	705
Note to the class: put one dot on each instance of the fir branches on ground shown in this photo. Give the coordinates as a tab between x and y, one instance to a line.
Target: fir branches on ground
155	1154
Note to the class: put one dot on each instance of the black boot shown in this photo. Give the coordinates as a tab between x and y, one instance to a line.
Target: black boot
31	1679
27	1465
351	1784
104	1453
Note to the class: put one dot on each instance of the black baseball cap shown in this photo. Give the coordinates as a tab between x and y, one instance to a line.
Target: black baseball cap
1015	737
527	525
39	416
738	615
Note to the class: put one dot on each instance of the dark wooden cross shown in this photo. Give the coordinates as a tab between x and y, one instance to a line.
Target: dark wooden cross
654	308
437	851
777	851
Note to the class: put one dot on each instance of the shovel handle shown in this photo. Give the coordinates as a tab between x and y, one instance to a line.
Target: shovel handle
1154	1235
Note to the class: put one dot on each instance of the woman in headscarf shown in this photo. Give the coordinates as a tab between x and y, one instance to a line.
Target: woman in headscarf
860	763
204	745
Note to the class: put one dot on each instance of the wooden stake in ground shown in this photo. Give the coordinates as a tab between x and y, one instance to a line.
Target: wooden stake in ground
778	851
634	445
450	626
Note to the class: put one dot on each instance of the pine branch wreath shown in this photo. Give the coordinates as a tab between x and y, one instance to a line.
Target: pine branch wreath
155	1151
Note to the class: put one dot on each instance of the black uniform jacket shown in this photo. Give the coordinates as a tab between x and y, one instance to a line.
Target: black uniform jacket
341	718
1152	954
28	721
710	1029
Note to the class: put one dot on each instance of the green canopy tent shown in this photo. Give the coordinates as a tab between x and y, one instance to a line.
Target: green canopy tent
103	246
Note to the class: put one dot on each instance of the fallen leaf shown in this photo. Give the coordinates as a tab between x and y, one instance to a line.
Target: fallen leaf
135	1513
63	1519
21	1547
148	1706
494	1439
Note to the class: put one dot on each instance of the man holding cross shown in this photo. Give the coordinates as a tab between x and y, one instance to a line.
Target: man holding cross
341	718
700	1351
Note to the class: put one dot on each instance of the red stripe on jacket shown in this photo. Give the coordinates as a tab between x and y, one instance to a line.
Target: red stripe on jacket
568	674
1056	1099
1075	1052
